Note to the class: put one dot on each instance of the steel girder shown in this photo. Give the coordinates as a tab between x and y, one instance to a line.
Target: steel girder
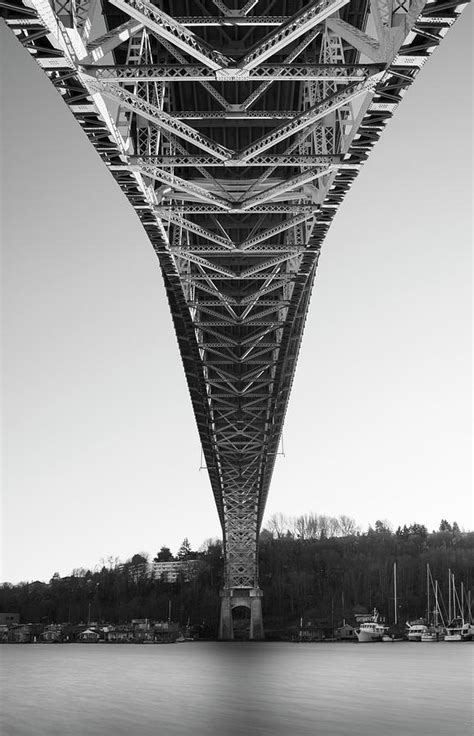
238	250
200	73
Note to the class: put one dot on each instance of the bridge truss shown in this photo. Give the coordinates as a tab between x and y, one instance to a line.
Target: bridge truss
235	135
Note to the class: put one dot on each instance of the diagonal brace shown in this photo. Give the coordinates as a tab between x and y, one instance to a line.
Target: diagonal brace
164	26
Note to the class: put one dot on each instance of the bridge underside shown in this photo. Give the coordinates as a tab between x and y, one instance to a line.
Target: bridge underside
235	135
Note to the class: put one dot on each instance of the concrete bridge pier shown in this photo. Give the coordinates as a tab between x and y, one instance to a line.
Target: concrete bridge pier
250	598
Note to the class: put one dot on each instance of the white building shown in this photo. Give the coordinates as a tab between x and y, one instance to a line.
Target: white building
170	571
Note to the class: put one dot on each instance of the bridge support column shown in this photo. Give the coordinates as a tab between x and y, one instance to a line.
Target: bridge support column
226	628
250	598
256	621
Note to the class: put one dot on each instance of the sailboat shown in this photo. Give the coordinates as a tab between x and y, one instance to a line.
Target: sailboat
418	628
458	629
435	630
469	614
393	633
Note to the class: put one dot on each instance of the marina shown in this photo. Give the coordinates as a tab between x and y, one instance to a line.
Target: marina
350	623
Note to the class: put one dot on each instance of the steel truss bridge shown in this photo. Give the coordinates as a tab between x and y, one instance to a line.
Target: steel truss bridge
235	129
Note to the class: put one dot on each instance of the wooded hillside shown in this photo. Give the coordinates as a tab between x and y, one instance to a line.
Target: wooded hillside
305	574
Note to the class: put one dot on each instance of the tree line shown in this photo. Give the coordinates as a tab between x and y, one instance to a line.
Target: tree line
310	567
325	579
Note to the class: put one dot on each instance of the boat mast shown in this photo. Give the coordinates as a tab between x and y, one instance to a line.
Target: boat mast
462	602
454	594
449	596
436	605
428	592
395	592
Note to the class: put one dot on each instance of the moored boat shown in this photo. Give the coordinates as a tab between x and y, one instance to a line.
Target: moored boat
458	630
394	632
416	631
430	629
436	630
433	634
373	630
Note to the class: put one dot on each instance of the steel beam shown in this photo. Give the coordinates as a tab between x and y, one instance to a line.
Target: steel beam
174	217
166	27
159	118
306	118
263	209
199	73
182	185
300	23
269	233
367	45
206	85
294	182
257	93
221	21
106	43
261	161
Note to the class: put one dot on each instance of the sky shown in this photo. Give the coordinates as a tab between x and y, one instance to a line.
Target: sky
101	455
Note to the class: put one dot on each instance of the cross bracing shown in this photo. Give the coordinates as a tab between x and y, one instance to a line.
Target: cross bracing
265	72
235	129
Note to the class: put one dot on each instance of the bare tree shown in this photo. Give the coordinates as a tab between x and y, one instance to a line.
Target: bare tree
313	526
210	543
347	526
278	525
334	527
300	526
323	526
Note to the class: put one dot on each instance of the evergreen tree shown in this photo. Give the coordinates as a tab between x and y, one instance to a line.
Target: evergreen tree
185	551
164	555
445	526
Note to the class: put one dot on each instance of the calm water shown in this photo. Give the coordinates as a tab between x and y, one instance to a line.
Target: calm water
229	689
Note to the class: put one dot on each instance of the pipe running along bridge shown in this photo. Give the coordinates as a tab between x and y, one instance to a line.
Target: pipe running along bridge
235	134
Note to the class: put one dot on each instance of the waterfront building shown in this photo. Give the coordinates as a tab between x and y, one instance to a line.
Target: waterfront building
52	633
20	633
89	635
346	632
7	619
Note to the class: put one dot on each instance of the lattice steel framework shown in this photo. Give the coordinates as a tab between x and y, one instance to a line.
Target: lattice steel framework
235	135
